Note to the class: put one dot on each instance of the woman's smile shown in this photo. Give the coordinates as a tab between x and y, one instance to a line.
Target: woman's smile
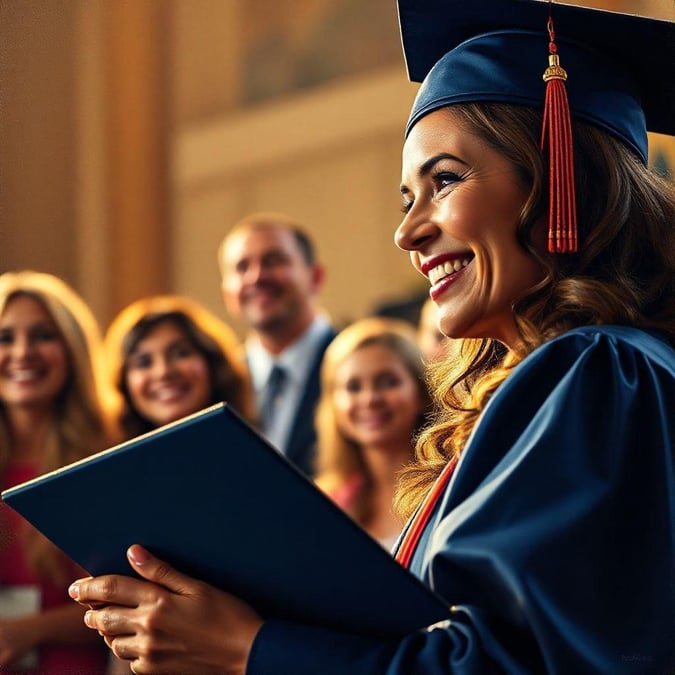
444	271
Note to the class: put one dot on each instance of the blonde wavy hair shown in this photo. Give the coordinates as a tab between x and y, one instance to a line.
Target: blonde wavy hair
624	272
339	458
80	424
212	338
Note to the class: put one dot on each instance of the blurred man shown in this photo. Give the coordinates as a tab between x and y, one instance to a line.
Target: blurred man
271	281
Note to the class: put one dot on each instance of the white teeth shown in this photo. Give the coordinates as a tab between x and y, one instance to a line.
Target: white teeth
446	269
167	393
23	375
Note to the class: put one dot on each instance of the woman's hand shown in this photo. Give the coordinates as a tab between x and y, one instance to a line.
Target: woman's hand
169	623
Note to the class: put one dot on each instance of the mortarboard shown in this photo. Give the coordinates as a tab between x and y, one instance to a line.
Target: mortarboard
619	68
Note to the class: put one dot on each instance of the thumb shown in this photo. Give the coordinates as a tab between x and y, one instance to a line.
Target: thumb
159	572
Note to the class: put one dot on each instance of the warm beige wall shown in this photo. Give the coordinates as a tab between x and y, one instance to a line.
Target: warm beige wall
37	144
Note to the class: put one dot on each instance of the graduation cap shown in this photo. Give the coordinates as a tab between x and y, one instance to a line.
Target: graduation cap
618	73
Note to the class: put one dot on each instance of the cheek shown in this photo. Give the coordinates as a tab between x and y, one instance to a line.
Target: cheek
231	290
60	361
466	212
341	406
409	401
198	371
134	382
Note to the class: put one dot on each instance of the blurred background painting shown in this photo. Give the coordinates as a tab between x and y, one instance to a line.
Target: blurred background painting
291	46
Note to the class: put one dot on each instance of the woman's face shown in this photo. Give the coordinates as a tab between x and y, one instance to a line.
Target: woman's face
166	377
376	399
462	201
34	364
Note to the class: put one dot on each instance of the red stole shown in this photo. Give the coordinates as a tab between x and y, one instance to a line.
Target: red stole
419	521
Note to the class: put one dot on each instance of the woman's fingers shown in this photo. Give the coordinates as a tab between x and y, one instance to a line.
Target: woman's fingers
155	570
111	589
120	590
166	622
110	621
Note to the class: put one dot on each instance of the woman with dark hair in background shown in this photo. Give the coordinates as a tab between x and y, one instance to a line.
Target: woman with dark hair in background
170	357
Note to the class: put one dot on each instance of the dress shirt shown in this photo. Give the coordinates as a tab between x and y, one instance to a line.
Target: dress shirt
297	361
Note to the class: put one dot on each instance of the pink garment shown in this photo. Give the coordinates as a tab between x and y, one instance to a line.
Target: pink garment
14	571
345	495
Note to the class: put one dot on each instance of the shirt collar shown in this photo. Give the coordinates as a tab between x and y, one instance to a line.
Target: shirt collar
297	359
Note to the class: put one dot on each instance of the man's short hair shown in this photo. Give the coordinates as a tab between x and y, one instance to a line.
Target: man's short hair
270	220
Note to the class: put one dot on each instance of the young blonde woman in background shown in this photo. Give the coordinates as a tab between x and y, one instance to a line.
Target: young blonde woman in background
374	401
50	415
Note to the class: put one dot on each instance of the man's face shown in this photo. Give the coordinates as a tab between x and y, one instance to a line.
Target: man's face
266	280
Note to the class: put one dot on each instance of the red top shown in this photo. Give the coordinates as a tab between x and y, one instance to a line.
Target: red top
15	571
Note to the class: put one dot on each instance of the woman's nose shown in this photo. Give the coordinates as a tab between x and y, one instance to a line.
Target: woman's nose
22	346
414	232
162	367
370	395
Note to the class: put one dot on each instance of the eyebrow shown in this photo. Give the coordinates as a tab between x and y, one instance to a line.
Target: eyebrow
426	166
177	342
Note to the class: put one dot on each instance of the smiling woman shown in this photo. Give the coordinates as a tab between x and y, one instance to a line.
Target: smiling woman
50	415
169	357
374	401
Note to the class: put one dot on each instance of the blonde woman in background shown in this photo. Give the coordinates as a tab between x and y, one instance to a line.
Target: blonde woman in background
169	357
50	415
374	400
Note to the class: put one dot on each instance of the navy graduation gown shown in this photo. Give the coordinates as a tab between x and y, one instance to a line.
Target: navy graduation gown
554	541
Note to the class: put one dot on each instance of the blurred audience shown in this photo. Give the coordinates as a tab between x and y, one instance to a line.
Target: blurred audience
374	400
50	415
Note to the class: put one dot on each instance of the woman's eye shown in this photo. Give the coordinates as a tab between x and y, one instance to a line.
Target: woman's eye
352	386
140	362
387	381
182	351
45	336
406	206
445	178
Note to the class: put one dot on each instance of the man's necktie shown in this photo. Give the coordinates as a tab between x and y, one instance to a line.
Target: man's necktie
271	397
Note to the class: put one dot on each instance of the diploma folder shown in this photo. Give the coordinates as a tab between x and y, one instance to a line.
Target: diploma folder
214	499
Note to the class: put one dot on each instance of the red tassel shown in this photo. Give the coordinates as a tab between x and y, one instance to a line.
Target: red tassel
557	129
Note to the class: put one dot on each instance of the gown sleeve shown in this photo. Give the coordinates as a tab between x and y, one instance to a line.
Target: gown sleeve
555	540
